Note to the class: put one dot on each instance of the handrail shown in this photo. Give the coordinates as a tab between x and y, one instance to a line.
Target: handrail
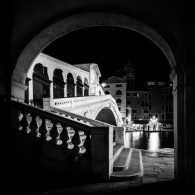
79	117
52	116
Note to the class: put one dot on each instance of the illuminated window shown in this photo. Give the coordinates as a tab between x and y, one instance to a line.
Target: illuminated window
161	83
150	83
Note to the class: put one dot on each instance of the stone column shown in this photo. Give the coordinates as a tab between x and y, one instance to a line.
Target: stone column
101	152
18	90
177	77
119	135
189	118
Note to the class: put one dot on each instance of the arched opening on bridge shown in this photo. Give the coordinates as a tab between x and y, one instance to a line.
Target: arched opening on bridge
106	115
67	25
58	84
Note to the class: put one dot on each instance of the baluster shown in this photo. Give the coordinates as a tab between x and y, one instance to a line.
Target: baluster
70	131
49	126
59	130
76	141
15	118
34	128
54	132
87	144
24	122
64	136
43	129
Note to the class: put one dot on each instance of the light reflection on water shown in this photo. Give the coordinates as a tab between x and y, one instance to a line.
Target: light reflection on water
149	140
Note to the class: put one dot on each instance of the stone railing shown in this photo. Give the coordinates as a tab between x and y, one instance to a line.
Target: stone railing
76	104
69	103
78	137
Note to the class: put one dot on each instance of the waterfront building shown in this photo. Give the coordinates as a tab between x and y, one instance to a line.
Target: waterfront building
160	100
116	86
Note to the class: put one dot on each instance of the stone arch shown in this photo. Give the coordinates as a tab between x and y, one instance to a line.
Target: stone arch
86	87
58	83
70	85
66	25
106	115
171	50
79	86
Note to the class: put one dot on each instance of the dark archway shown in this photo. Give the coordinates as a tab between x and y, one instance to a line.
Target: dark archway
70	86
58	84
107	116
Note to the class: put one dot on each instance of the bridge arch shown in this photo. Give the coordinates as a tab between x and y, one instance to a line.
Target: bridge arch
106	115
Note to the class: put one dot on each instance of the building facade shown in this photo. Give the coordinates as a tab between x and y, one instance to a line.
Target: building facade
160	100
116	86
140	105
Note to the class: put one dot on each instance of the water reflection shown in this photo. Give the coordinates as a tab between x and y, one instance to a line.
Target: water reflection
149	140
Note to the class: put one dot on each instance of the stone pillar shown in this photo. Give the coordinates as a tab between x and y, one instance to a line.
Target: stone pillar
119	135
177	77
46	104
101	153
30	90
18	91
51	90
189	118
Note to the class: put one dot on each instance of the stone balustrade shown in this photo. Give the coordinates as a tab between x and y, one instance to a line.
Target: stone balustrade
87	106
73	136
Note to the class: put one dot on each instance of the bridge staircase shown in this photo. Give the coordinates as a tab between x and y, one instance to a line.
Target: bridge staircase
62	142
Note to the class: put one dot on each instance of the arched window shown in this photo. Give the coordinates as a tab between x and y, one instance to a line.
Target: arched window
86	87
107	92
41	84
119	92
79	87
58	84
70	85
163	116
99	92
118	101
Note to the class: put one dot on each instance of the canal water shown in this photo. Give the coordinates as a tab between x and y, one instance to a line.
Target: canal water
149	140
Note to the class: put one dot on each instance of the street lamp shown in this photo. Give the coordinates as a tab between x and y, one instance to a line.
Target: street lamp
103	84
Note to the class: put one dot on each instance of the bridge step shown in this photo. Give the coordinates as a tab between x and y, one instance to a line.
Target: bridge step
122	162
128	165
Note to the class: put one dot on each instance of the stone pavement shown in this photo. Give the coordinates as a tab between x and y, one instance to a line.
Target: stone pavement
158	178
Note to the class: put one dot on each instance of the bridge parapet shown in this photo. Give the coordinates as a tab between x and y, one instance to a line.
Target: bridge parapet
58	136
88	106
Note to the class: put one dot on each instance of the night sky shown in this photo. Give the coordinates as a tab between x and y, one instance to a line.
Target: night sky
110	48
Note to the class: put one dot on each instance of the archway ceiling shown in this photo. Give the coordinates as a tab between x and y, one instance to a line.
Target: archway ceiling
165	16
